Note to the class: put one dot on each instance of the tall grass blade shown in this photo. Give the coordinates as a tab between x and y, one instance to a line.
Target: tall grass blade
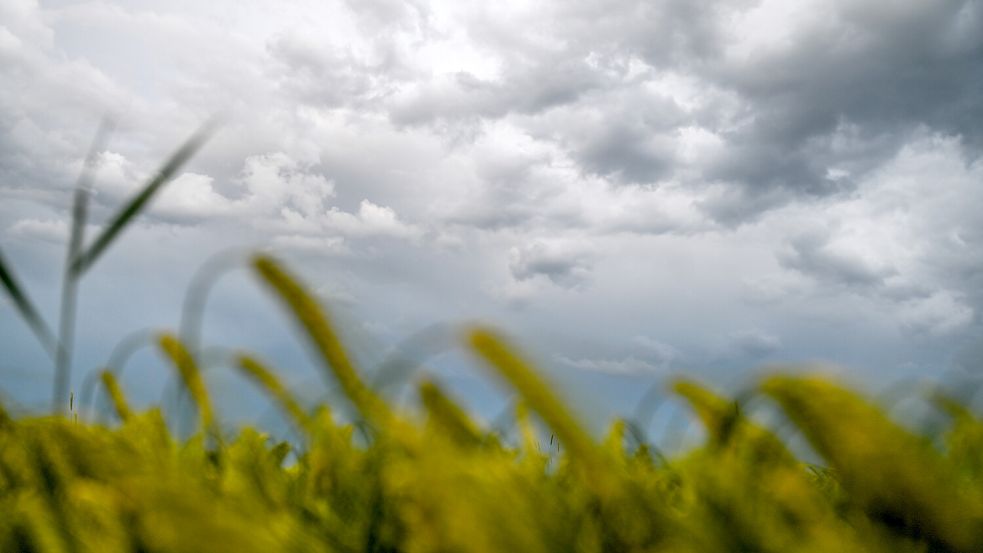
5	420
118	358
528	441
494	350
308	313
726	425
26	308
196	296
267	380
83	188
69	283
409	355
951	406
892	474
138	202
191	376
964	438
116	395
717	414
448	416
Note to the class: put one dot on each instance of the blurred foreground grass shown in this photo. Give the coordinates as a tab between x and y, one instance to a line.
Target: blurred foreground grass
438	481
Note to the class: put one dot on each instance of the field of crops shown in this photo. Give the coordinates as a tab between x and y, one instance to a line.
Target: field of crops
436	480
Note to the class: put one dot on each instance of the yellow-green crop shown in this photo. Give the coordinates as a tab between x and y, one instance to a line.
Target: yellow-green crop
439	481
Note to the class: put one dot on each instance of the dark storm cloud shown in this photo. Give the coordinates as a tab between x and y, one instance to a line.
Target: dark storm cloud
842	96
878	63
628	136
627	154
796	118
866	71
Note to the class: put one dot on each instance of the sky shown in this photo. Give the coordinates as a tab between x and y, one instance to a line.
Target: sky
630	189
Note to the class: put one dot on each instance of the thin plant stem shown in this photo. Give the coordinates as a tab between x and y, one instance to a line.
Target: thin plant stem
70	277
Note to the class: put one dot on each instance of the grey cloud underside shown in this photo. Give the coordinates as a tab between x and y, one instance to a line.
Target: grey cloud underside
809	254
563	268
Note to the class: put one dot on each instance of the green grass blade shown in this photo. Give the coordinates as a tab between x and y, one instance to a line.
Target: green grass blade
122	408
536	392
26	308
191	376
614	442
528	440
892	474
727	426
138	202
448	416
951	406
717	414
83	189
5	419
267	380
309	314
69	286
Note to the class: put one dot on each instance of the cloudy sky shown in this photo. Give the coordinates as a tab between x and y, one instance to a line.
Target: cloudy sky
633	188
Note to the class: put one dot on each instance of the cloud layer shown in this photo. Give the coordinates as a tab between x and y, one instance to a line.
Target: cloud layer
636	187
